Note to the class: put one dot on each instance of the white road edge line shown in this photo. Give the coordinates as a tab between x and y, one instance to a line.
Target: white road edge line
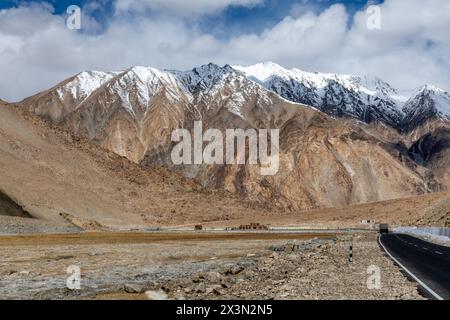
420	282
438	252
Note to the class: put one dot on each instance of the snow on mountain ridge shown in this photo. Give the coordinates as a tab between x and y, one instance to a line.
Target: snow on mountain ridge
364	98
201	78
427	101
431	87
84	83
262	72
212	83
149	81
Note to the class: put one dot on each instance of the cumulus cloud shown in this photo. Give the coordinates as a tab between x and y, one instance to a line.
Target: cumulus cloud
294	40
411	48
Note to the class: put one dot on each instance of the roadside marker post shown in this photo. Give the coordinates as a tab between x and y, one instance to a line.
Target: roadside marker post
350	258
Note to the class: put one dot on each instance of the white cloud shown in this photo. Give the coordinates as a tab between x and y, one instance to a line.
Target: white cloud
293	40
412	47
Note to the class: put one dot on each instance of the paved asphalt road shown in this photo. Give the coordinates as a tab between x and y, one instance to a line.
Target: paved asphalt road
429	262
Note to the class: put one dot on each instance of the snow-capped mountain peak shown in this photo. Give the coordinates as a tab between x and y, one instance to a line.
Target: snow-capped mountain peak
430	87
201	78
263	71
427	102
212	85
364	98
84	83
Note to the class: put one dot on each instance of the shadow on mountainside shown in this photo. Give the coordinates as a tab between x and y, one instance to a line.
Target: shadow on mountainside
9	207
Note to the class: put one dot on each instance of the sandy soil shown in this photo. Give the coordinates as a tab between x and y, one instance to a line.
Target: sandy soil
429	209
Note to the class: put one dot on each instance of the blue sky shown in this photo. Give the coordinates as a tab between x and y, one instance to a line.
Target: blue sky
272	8
411	46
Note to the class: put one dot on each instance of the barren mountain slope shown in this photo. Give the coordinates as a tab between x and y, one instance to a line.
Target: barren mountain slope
324	162
49	173
432	150
437	214
426	103
419	210
127	112
8	207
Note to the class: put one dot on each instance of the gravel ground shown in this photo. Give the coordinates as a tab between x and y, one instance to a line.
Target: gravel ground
321	270
18	225
258	269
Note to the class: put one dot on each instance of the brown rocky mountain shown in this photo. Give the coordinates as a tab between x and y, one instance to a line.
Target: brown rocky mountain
438	214
324	161
54	176
432	149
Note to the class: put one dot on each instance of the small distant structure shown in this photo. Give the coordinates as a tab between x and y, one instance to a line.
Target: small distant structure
251	226
152	229
384	228
198	227
367	221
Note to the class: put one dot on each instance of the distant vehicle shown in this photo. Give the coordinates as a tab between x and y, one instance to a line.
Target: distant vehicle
198	227
384	228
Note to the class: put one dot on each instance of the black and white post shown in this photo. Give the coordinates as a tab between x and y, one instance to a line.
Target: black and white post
350	257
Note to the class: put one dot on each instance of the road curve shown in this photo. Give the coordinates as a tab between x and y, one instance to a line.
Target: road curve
427	263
